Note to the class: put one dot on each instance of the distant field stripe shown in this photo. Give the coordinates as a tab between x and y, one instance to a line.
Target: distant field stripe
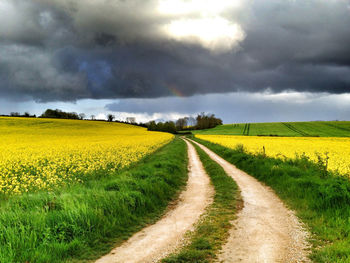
248	129
285	129
245	128
292	128
337	127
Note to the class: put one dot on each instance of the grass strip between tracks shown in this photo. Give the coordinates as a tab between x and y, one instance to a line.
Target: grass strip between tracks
321	199
212	231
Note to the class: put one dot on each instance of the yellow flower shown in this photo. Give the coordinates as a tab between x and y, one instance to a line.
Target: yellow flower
43	153
337	149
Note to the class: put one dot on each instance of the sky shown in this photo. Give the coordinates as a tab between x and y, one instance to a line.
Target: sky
243	60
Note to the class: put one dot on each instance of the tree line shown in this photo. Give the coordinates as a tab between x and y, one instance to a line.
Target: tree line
202	121
59	114
17	114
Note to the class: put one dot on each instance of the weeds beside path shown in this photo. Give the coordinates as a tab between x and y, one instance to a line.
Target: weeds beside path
321	201
265	230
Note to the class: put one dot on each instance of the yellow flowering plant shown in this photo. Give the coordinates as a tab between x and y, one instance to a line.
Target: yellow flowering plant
45	153
336	151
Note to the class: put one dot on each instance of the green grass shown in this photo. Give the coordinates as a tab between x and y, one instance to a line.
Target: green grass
320	200
83	221
316	129
212	232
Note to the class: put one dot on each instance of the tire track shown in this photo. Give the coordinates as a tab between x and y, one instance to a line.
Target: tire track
337	127
292	128
246	129
265	230
164	237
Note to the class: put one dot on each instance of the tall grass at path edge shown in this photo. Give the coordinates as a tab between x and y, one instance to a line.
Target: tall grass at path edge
321	199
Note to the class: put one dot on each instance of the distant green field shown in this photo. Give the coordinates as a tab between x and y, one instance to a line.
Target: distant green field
298	129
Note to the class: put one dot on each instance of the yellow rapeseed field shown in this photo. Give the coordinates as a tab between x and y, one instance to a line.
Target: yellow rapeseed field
44	153
338	149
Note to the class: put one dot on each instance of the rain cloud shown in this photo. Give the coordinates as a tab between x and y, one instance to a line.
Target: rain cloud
67	50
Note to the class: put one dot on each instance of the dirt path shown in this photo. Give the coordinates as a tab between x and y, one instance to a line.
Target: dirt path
156	241
265	230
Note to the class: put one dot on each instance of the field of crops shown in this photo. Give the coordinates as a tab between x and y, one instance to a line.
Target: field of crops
45	153
292	129
337	149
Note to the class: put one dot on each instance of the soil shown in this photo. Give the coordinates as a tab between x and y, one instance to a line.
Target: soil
165	236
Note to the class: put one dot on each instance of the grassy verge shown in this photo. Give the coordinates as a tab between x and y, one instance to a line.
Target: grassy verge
83	221
212	232
320	199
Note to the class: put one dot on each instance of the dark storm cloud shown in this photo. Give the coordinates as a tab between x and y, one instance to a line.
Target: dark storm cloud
74	49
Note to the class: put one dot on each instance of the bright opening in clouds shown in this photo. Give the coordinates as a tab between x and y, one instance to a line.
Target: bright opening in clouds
203	23
215	33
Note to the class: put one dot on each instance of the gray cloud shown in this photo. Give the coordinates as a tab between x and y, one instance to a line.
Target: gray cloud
74	49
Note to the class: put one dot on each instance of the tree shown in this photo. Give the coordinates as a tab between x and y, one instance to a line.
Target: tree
59	114
169	126
160	126
110	117
207	121
15	114
82	116
181	123
92	117
152	126
202	121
